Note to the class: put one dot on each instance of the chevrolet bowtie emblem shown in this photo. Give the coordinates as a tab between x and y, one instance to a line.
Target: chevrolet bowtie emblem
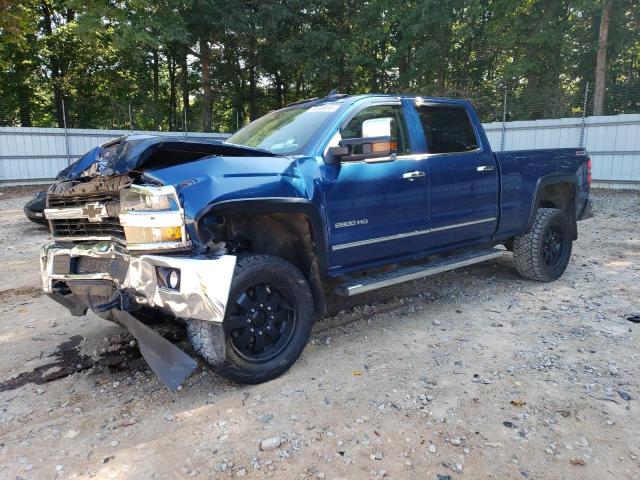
94	212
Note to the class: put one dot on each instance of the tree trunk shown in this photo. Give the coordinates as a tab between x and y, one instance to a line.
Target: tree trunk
279	89
601	60
54	65
156	89
207	91
172	66
184	84
25	107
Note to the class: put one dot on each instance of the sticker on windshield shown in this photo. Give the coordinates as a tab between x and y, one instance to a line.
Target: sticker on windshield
326	107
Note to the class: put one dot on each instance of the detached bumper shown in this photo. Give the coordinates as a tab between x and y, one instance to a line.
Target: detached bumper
103	275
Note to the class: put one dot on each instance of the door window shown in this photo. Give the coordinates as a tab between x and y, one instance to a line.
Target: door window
380	119
448	128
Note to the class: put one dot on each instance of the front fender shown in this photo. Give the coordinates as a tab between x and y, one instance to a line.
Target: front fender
266	205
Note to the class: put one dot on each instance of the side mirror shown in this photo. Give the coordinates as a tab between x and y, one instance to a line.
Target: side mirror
362	148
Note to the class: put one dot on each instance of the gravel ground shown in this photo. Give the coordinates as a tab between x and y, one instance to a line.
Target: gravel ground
471	374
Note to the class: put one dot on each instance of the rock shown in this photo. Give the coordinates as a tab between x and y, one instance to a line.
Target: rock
436	323
624	395
114	443
169	417
270	443
376	456
456	442
266	418
494	444
432	448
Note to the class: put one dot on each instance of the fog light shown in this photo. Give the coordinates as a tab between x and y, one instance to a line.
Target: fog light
174	279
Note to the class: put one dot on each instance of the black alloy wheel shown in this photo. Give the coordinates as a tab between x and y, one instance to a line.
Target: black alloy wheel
262	321
553	245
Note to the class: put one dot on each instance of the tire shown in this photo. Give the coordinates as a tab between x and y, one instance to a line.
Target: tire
252	348
543	252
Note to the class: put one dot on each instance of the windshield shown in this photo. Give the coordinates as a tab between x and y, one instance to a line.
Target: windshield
285	131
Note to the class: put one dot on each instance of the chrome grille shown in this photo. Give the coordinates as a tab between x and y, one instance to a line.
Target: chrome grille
82	228
59	201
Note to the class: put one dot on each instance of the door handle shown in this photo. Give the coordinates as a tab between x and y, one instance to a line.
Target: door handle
485	168
412	175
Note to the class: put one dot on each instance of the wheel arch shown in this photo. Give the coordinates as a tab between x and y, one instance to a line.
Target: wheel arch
555	191
298	222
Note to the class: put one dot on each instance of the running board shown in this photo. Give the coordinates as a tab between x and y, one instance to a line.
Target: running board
366	284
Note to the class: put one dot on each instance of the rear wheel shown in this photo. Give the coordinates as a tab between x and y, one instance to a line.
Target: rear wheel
543	252
267	323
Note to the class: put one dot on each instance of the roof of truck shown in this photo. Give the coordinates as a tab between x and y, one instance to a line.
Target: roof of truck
348	99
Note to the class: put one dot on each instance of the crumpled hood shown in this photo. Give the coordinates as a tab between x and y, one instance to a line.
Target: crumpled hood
142	152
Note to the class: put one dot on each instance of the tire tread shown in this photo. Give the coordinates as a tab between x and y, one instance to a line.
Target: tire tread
526	254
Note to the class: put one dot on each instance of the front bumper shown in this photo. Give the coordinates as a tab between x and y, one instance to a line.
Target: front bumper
114	275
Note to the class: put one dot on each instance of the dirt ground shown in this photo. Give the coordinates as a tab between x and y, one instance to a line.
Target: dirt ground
471	374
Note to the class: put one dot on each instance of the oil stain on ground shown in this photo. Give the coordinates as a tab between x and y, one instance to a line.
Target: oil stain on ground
69	360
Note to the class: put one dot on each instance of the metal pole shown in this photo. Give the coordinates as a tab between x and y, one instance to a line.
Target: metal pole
130	119
584	115
66	134
184	111
504	120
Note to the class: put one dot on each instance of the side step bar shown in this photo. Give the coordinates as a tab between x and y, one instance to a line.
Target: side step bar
366	284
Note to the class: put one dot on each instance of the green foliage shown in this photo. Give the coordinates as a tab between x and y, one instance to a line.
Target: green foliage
217	64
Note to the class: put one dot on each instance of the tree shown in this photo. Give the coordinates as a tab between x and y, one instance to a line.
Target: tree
601	63
216	64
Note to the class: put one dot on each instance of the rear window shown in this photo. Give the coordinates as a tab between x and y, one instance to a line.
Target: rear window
448	129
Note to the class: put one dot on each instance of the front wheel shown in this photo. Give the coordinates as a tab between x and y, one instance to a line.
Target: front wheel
267	322
543	252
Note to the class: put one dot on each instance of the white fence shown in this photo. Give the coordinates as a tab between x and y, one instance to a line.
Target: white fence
613	142
35	155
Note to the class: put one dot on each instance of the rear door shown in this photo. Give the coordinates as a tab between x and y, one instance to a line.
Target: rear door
463	177
377	208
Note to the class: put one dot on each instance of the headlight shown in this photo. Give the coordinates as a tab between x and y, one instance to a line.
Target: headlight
152	218
140	197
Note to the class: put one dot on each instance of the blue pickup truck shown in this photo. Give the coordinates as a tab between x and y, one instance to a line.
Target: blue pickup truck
242	240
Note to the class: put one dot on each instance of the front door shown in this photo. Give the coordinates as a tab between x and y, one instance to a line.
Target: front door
376	208
463	178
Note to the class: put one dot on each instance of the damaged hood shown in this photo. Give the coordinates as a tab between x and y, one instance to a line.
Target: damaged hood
144	152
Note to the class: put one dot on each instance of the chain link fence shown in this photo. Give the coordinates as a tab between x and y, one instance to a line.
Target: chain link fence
513	117
504	104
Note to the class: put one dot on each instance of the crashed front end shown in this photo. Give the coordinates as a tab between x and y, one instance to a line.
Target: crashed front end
118	246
